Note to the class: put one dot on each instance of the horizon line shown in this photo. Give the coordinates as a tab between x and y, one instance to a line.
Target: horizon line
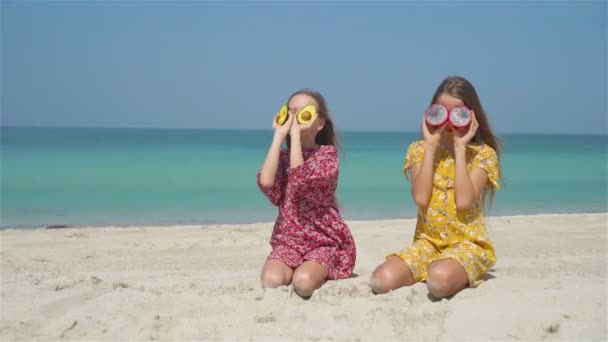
267	129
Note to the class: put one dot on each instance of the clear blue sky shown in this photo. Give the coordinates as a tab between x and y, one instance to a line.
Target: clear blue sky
538	66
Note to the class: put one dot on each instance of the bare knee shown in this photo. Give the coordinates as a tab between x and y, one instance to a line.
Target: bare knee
385	279
305	284
440	282
273	279
382	281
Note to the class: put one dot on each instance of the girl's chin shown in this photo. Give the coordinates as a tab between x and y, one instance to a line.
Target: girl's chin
306	136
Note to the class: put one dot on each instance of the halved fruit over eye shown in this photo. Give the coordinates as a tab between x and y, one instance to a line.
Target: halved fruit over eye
460	117
307	115
436	115
282	117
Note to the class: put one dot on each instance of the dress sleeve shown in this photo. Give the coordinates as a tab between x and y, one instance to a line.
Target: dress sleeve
414	155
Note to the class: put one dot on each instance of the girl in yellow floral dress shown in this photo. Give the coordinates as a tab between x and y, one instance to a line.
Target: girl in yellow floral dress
451	172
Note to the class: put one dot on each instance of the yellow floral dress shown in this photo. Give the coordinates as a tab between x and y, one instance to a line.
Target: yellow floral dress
442	231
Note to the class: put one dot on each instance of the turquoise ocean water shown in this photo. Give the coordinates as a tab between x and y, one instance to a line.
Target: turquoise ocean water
101	176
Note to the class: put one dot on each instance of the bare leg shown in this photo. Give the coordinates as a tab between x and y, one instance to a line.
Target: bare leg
445	278
390	275
308	277
276	273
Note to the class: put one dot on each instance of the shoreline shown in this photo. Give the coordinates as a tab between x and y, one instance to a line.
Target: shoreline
199	225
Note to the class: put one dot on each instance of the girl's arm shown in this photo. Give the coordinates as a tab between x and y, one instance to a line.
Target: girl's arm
422	173
422	176
468	187
271	163
272	177
296	158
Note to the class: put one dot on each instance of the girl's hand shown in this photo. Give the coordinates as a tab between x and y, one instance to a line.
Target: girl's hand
431	135
463	137
282	130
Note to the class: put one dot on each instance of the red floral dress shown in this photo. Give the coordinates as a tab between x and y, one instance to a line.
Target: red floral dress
309	225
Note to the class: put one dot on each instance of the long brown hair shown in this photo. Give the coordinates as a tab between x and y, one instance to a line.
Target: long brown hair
462	89
327	135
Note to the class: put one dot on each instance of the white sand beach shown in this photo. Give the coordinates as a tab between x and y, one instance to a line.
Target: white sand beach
202	283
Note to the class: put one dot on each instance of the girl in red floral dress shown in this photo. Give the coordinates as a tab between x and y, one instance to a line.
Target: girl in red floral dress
310	241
